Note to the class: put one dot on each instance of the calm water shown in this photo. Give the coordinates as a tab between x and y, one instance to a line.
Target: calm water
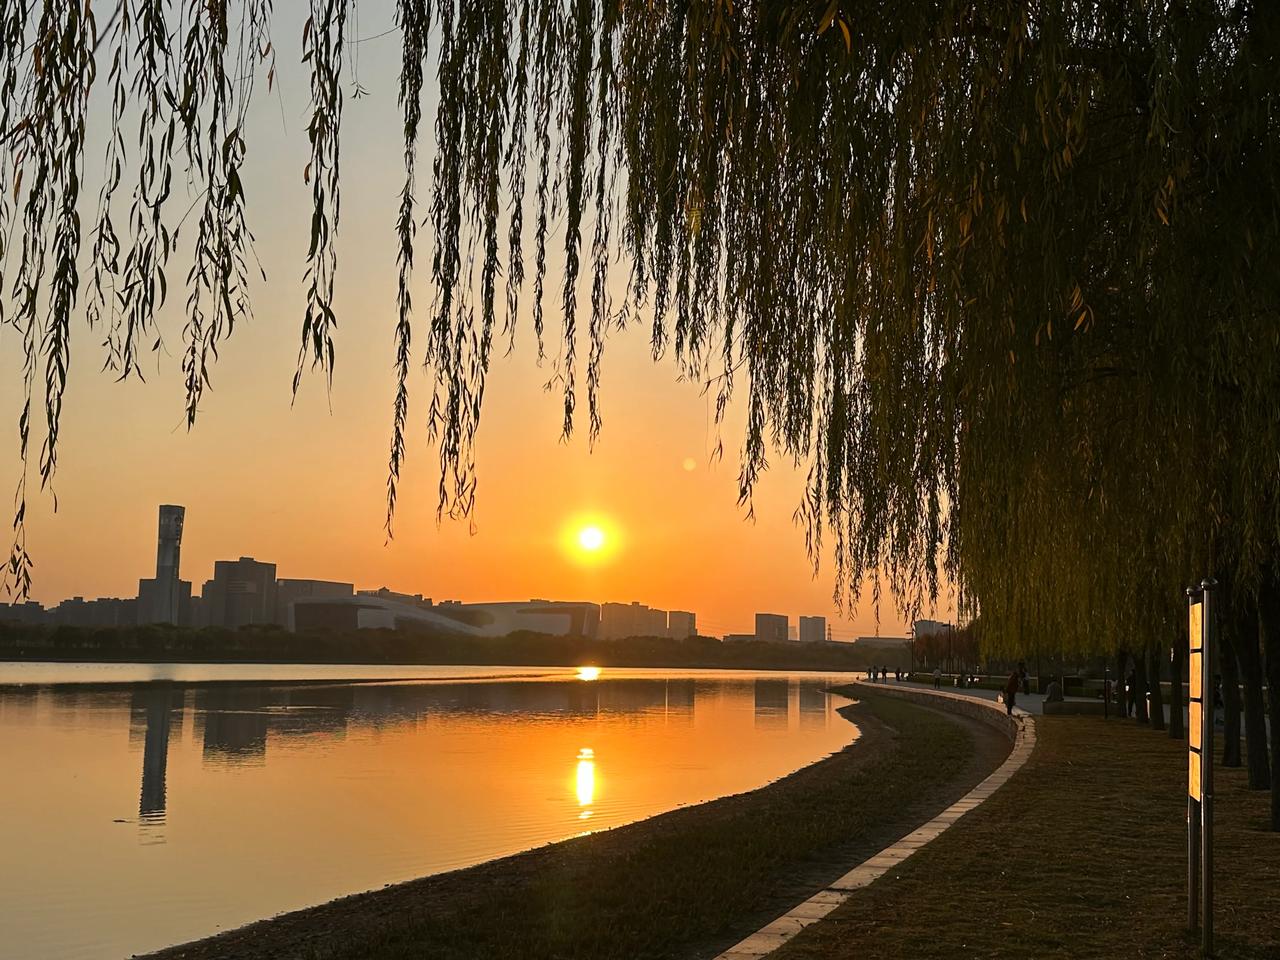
137	816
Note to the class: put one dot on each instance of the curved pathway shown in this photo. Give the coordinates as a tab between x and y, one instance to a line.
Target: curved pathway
1021	729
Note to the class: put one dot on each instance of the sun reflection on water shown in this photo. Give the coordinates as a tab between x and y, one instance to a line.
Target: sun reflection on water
586	781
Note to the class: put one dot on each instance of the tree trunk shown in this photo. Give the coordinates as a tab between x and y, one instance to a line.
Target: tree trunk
1269	615
1230	690
1121	687
1157	695
1177	729
1140	687
1255	719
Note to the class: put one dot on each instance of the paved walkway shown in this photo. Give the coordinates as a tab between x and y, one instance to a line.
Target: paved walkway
773	935
1030	702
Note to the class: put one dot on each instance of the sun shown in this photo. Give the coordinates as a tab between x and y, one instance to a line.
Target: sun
591	538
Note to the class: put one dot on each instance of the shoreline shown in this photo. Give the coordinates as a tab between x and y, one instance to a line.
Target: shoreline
510	671
683	878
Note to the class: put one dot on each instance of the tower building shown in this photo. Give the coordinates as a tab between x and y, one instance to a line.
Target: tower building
164	598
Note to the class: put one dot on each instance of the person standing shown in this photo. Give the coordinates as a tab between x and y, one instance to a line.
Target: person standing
1026	681
1011	692
937	678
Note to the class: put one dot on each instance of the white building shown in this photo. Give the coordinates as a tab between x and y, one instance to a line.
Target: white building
384	610
924	628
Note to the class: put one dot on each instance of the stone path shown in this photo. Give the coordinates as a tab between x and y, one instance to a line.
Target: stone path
772	936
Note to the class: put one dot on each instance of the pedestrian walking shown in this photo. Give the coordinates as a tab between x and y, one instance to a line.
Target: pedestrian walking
1026	681
937	678
1011	692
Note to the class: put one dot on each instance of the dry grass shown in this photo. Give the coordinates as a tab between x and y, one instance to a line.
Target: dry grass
1081	855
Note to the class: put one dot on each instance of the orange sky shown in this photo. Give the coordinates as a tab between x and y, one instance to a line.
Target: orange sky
303	486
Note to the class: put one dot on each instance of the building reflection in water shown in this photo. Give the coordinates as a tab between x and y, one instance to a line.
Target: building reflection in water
157	704
155	715
771	699
813	699
235	723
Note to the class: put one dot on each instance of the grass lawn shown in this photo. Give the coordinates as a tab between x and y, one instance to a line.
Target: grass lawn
1081	854
684	884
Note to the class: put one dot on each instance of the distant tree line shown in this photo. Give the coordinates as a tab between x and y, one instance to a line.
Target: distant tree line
276	645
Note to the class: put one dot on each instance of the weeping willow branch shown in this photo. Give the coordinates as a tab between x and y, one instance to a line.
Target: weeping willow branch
322	41
910	240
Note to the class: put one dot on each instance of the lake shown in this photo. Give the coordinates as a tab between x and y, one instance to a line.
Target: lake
148	804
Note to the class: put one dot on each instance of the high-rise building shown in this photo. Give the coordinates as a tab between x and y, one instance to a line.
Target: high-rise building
813	629
771	627
681	624
103	612
619	620
165	598
241	593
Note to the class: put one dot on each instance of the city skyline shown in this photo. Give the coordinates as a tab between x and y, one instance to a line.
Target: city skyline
198	563
247	591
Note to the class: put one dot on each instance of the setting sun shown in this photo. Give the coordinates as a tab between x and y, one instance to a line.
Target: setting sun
591	538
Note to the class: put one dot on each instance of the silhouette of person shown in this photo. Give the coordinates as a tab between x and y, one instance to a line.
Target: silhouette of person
1011	692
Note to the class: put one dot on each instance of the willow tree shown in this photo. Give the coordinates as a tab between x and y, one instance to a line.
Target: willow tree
1002	274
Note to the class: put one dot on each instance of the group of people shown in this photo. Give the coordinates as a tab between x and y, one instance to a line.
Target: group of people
881	674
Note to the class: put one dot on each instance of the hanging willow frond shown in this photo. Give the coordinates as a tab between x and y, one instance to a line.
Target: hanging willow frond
953	259
322	42
414	17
